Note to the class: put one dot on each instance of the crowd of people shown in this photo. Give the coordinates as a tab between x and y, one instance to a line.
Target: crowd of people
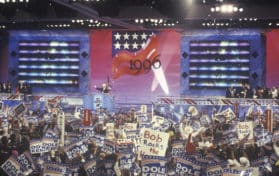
245	91
105	146
5	87
22	87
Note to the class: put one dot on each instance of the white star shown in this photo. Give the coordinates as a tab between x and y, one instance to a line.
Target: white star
117	36
135	36
117	45
143	36
126	45
135	45
143	44
126	36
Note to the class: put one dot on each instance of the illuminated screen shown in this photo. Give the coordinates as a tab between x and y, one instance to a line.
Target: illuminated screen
218	63
48	63
213	60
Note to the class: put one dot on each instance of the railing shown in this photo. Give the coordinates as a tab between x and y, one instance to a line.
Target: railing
216	101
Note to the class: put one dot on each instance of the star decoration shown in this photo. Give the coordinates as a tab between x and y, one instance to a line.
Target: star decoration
117	36
135	45
117	45
143	36
135	36
126	45
126	36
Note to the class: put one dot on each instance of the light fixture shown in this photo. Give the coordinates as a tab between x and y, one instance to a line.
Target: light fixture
226	8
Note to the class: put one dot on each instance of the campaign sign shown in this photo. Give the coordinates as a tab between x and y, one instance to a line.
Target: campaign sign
50	143
186	166
215	170
132	135
126	161
125	148
143	108
153	142
130	126
244	129
153	165
12	167
237	172
142	117
87	132
159	120
19	109
36	146
261	162
74	148
90	167
78	112
99	140
32	119
177	147
263	139
54	169
109	146
26	162
51	134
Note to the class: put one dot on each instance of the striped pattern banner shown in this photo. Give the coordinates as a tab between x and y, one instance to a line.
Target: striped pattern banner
218	63
49	63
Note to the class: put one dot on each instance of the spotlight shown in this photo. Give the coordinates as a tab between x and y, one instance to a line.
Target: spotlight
240	9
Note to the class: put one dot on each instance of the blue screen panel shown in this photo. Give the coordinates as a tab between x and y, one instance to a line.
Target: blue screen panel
56	62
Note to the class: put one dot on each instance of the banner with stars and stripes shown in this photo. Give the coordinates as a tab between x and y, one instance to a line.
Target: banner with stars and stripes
141	64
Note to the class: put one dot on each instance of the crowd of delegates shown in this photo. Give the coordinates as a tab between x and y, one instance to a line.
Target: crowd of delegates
5	87
22	87
245	91
206	150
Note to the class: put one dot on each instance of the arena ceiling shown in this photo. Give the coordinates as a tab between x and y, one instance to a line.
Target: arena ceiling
141	14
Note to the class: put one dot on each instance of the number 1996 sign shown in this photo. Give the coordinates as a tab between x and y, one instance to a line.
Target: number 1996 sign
146	64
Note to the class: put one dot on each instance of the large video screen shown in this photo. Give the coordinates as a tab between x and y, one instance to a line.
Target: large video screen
213	60
50	61
219	63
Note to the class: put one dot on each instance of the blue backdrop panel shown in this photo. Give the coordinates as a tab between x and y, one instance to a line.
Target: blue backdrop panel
212	60
50	61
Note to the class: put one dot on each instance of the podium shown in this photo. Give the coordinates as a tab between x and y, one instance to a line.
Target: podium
98	101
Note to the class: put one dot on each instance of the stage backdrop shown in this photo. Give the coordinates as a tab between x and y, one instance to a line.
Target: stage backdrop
212	60
4	37
50	61
272	58
139	65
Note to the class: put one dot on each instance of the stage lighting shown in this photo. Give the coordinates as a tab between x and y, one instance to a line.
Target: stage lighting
226	8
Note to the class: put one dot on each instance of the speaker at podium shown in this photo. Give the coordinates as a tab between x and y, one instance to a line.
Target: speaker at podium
98	101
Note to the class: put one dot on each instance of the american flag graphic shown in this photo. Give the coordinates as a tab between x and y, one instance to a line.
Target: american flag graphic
134	53
131	41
